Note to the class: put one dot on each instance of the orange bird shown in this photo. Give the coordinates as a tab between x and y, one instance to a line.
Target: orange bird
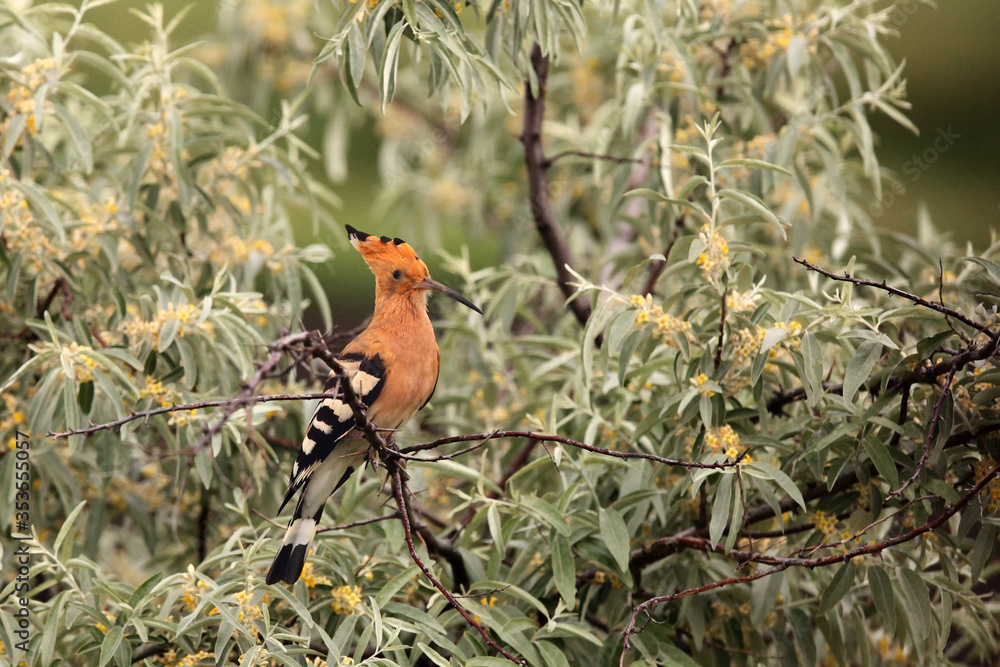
393	367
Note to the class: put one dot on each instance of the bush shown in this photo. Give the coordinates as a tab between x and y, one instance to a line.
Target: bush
685	446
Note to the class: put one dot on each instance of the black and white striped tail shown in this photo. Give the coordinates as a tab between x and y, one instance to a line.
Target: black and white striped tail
291	558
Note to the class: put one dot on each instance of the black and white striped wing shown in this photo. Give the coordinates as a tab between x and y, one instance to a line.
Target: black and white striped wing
334	418
327	459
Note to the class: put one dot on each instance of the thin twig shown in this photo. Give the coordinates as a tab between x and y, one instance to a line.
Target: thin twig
398	488
598	156
965	339
542	437
782	563
722	320
897	292
931	431
145	414
660	266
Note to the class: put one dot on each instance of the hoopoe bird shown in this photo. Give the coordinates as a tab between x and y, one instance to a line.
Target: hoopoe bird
393	368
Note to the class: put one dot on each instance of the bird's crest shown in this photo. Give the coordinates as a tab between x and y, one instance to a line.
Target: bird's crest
381	248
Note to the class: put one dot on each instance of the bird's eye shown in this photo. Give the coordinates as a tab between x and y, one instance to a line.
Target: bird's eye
397	274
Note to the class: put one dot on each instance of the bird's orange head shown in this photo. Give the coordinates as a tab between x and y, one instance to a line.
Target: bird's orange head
399	272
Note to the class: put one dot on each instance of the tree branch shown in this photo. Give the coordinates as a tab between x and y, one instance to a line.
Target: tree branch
404	513
565	441
782	563
931	430
538	187
951	312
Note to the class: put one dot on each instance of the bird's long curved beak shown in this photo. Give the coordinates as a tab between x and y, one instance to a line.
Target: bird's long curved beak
427	283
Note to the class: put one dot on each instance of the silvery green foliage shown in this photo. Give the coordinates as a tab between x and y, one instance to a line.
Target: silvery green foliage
152	257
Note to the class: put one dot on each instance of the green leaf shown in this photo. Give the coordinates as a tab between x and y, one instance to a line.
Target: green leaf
81	143
548	513
754	203
433	655
812	357
110	644
67	529
564	570
551	654
721	509
614	532
860	367
885	600
983	549
394	585
880	456
85	396
768	471
838	587
992	268
167	333
757	164
918	602
144	588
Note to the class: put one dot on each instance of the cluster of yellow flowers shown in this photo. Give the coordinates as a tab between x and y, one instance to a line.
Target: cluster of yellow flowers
236	251
190	660
193	589
21	231
74	358
160	167
588	86
148	488
746	343
600	578
825	523
95	219
703	384
714	259
726	441
154	389
346	600
982	468
187	316
21	96
16	416
111	619
758	53
738	302
275	20
671	66
495	412
311	579
666	324
248	612
889	651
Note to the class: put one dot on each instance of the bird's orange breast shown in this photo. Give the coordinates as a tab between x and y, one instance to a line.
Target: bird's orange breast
410	353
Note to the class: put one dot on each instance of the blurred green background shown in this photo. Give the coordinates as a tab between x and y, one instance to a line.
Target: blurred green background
951	68
951	53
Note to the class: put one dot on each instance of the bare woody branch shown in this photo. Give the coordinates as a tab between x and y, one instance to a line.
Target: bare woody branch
929	440
782	563
542	437
951	312
180	407
538	186
399	490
